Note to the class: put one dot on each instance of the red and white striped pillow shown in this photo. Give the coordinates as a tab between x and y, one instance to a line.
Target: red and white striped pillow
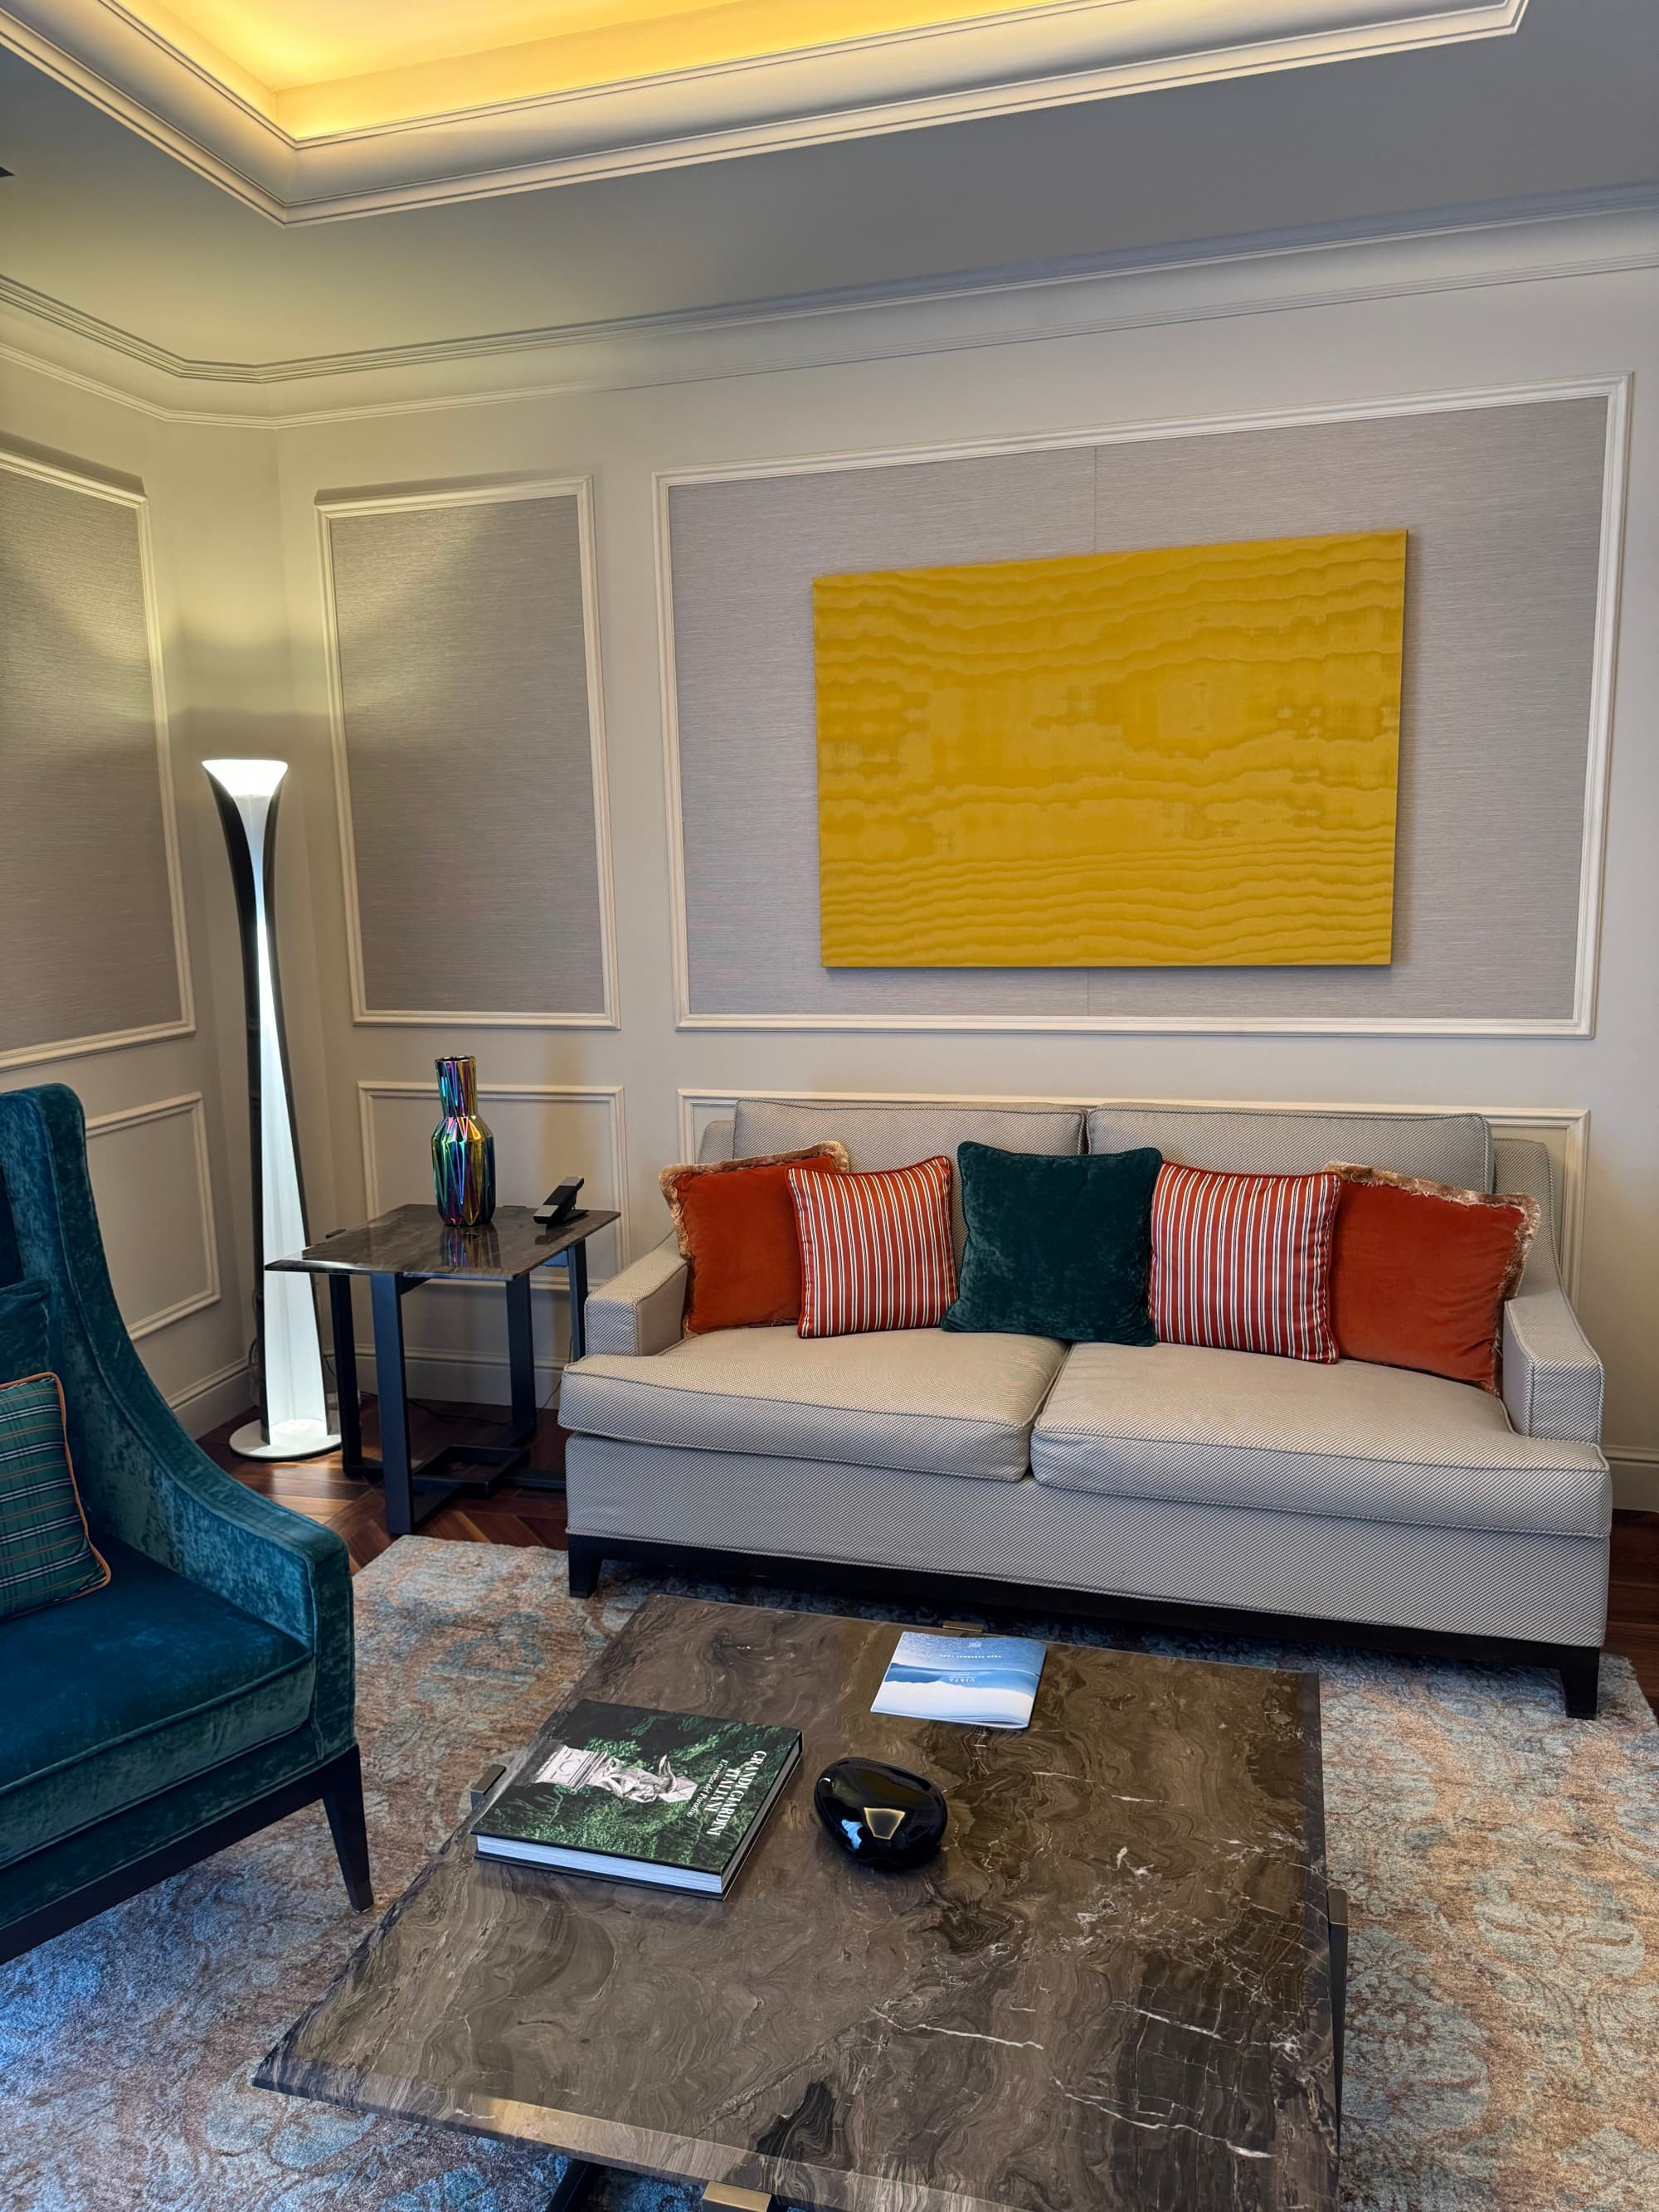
876	1252
1242	1262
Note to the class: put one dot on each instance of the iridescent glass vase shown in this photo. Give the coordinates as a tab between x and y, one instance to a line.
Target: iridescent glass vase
463	1150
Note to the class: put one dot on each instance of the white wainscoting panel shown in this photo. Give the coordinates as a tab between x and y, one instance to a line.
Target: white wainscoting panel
154	1190
544	1132
552	878
83	680
1044	1009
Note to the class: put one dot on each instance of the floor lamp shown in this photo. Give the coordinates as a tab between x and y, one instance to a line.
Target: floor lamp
293	1421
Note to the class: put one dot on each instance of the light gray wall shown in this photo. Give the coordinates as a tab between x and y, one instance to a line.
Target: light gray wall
1484	314
1502	506
86	889
87	944
462	672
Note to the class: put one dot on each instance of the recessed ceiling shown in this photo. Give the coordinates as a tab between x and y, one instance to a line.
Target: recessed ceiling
307	109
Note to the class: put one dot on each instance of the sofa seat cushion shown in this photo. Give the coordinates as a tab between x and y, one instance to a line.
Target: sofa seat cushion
136	1687
1178	1422
917	1398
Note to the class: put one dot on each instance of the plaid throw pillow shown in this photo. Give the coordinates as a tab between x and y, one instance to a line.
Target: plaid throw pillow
46	1553
875	1250
1242	1262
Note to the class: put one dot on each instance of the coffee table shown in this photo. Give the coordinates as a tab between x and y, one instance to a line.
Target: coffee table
1113	1989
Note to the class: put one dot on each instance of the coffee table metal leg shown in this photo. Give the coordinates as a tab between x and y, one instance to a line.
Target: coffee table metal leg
390	1385
723	2197
345	1374
579	2176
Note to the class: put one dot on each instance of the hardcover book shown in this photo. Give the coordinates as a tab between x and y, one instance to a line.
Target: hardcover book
673	1799
980	1681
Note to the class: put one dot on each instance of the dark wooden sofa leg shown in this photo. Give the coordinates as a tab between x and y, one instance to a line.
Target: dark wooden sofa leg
343	1797
585	1558
1581	1680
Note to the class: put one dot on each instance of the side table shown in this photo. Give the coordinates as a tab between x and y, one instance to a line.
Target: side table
408	1246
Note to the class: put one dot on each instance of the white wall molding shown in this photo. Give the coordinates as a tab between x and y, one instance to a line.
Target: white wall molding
191	1106
226	125
217	1397
1465	249
1635	1477
697	1109
609	1097
116	1040
1613	389
581	489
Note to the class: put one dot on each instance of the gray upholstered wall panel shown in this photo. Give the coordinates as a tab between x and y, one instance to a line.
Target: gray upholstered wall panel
1504	504
744	555
86	906
464	684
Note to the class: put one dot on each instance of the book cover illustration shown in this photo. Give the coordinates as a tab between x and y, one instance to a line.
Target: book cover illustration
672	1789
979	1681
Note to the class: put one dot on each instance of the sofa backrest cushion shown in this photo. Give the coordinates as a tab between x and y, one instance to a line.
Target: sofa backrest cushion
895	1134
1451	1148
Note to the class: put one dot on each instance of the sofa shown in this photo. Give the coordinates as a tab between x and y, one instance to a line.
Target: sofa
1220	1491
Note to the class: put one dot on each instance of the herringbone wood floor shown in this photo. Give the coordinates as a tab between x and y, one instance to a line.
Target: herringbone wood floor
317	1489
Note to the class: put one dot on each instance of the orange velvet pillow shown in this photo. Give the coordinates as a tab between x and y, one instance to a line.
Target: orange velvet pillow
736	1228
1420	1271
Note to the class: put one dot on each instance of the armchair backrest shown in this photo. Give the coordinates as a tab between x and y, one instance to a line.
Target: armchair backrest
49	1227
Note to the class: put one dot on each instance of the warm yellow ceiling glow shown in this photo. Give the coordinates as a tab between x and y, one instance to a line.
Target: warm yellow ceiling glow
317	66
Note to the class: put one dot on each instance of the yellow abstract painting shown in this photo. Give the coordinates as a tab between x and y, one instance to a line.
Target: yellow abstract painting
1186	757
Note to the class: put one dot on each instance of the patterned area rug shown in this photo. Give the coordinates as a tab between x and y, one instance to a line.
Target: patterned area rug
1502	1861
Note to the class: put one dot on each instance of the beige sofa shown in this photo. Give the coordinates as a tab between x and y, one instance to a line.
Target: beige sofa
1213	1489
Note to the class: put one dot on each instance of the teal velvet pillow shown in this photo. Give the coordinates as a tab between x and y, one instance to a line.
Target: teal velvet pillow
46	1553
1056	1247
24	1346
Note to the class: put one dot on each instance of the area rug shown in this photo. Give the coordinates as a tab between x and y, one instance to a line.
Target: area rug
1502	1861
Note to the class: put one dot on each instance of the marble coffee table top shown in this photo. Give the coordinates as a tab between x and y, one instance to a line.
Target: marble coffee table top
1112	1989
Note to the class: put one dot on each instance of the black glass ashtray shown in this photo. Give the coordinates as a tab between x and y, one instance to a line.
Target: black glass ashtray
882	1816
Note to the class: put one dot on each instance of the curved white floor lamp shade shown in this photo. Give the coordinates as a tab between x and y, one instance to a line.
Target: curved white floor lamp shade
293	1420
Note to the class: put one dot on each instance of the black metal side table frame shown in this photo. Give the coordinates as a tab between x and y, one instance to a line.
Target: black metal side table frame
398	1252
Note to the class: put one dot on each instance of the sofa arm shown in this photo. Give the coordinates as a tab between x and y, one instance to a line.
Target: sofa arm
643	1309
1552	1376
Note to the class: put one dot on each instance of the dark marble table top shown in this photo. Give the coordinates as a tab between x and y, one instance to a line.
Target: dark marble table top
1111	1991
413	1240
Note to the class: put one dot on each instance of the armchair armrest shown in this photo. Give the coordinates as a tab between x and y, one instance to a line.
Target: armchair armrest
643	1309
1552	1376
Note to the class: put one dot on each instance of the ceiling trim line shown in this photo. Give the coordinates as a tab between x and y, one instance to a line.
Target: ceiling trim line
836	329
1077	274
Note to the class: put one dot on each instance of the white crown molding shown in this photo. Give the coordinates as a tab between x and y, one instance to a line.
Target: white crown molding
1455	250
117	1040
581	489
1613	389
1028	58
697	1107
164	1109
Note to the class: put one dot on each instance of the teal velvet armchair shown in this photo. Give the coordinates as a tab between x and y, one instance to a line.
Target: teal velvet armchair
207	1689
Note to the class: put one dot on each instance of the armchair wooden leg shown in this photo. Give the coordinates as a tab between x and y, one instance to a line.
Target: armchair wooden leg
343	1797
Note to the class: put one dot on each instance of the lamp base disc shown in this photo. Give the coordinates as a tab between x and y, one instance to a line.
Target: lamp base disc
289	1440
